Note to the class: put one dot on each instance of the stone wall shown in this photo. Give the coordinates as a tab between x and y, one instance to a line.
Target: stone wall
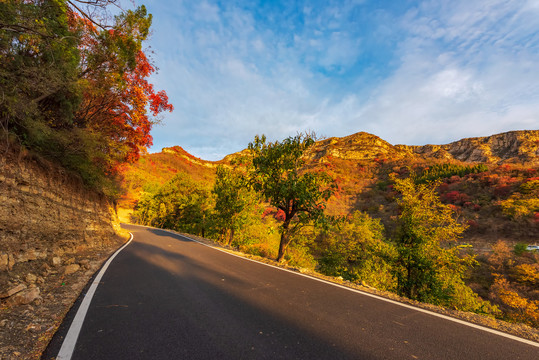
46	213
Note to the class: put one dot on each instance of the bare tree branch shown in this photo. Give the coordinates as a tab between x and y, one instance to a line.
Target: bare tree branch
86	15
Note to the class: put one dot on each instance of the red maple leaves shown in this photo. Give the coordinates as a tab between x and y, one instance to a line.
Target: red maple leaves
119	104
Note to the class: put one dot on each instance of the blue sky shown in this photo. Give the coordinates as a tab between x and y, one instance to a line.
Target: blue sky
410	72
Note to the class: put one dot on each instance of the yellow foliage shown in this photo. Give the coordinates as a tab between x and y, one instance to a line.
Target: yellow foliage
520	308
501	256
527	274
517	206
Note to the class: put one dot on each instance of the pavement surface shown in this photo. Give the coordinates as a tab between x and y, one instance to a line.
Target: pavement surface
167	297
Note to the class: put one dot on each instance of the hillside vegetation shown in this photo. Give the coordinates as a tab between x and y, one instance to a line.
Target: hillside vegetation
484	189
74	85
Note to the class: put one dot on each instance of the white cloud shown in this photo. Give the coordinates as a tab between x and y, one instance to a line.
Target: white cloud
465	71
206	12
457	69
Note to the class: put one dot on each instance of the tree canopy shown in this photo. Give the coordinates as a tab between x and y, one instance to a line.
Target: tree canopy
428	265
278	175
234	201
74	88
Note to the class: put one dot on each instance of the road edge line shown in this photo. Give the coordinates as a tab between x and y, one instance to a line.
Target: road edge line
459	321
68	345
429	312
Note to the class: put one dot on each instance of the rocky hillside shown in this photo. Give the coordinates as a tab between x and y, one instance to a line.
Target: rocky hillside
516	147
496	203
54	234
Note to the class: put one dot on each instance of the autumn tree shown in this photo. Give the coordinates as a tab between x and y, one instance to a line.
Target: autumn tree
116	93
234	201
74	86
278	174
428	267
355	248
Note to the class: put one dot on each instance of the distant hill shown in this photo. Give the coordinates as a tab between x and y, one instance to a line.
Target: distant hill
153	170
361	164
516	147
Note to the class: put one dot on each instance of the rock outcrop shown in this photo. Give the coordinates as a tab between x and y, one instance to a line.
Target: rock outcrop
510	147
46	216
359	146
181	153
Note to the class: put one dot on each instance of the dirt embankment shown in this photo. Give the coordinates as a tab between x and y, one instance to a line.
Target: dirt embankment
54	234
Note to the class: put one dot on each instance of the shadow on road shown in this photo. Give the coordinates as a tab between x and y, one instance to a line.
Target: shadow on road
192	302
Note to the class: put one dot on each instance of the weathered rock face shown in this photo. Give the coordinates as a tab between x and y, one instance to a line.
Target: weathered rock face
180	152
510	147
46	213
360	146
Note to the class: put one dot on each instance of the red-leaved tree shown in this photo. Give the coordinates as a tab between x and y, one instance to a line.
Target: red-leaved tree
119	105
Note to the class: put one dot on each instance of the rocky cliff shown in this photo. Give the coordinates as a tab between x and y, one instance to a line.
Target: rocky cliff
510	147
47	217
359	146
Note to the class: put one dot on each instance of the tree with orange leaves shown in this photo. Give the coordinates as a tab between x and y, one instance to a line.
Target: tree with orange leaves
117	94
75	88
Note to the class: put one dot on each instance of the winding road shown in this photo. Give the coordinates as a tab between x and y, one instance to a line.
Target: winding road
167	297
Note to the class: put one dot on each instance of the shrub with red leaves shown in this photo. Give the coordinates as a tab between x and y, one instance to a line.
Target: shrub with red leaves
502	191
455	197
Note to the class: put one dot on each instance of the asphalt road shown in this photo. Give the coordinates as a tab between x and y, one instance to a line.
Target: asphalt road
166	297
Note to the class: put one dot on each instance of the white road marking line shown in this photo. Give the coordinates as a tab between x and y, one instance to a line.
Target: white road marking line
68	346
479	327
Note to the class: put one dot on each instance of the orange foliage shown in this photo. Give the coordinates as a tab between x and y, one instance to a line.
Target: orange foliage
527	274
501	256
517	307
117	93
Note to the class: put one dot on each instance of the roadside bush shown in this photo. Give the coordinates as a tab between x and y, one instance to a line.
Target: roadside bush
519	249
355	249
516	308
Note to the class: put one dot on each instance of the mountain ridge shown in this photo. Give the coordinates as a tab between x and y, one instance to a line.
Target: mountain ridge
512	146
517	147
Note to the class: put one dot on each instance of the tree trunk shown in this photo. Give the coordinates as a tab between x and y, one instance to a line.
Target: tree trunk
222	236
203	225
231	237
409	277
284	241
282	247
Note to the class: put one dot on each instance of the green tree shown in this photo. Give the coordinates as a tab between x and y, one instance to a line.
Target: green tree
355	248
39	57
75	89
234	202
278	174
428	268
180	204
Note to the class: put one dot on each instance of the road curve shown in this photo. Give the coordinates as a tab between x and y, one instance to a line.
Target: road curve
167	297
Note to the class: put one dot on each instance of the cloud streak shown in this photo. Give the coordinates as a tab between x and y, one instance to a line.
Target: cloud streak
430	72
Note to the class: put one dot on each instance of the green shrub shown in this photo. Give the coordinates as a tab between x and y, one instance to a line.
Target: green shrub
442	171
519	249
355	249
